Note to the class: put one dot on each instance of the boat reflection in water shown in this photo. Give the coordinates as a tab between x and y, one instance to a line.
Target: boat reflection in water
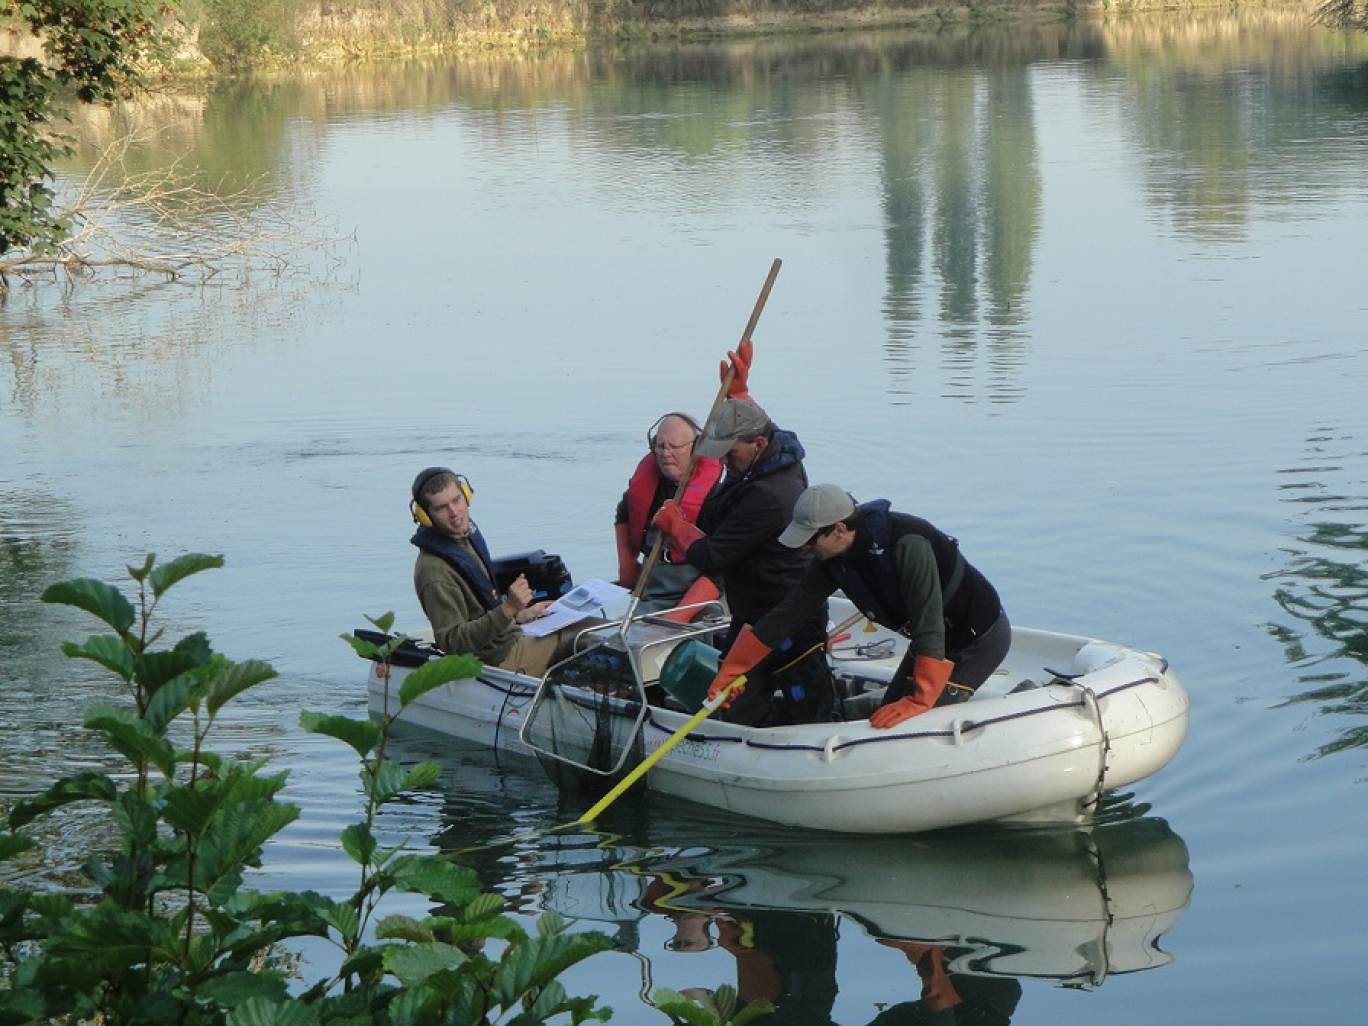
974	914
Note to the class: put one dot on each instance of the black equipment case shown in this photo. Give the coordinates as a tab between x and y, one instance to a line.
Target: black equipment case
545	573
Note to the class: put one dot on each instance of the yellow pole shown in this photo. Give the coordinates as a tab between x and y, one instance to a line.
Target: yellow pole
650	760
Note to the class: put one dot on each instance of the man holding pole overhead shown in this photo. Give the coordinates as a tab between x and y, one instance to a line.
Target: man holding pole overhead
736	541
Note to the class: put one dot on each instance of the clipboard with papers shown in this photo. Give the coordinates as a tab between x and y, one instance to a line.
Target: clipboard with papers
579	603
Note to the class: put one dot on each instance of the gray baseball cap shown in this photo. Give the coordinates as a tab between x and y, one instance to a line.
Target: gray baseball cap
738	418
818	507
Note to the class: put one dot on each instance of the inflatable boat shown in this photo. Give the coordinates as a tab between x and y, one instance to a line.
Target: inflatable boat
1064	720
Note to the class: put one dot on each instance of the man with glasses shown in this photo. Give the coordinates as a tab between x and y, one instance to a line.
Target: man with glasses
736	540
903	573
673	581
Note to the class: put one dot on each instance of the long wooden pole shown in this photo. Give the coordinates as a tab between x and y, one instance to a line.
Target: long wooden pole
693	458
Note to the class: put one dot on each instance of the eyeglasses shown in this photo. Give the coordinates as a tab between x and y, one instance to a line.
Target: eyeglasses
664	447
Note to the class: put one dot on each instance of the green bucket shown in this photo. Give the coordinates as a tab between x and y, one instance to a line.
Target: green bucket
688	671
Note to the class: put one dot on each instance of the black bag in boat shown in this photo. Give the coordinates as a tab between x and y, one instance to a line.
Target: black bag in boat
545	572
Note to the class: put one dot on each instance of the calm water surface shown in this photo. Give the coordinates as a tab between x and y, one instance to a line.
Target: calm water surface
1088	298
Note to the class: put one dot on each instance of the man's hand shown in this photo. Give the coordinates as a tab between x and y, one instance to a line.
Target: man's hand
518	599
534	612
672	523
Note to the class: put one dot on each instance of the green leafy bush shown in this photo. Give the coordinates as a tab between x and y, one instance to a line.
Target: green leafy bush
236	34
168	933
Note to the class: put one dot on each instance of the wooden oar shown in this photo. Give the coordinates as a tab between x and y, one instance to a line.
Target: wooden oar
656	547
709	707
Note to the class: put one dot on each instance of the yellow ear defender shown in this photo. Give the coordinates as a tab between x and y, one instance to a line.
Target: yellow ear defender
416	507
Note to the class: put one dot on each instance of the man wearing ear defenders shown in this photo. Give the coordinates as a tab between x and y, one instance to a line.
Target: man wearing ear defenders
656	478
456	587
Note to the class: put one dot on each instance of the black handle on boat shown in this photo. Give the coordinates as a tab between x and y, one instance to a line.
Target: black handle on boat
654	555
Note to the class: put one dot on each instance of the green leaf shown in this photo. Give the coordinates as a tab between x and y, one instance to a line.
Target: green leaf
235	841
413	964
110	938
436	672
362	735
425	774
190	810
550	923
164	576
262	1011
299	914
405	928
359	843
365	649
754	1010
344	919
157	668
682	1010
383	781
236	988
105	649
88	786
236	679
97	598
435	877
51	906
139	574
133	737
136	819
383	622
483	906
536	962
169	701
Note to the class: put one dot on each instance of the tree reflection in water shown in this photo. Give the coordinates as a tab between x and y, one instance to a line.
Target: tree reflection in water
1324	588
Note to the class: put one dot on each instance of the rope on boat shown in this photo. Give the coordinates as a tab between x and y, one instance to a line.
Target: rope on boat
1090	702
833	747
959	727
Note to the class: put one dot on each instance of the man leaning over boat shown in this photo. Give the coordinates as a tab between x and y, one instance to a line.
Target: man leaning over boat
902	572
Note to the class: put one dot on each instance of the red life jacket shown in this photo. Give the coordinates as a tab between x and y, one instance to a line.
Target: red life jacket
641	491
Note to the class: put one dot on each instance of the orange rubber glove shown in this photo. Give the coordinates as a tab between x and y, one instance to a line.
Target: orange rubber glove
629	569
740	360
702	590
929	677
675	526
746	652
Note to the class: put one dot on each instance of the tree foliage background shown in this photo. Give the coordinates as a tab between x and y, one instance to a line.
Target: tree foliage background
92	52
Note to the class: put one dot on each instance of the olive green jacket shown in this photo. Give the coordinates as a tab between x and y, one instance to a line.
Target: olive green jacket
460	622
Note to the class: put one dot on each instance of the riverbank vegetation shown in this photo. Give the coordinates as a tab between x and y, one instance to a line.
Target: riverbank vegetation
233	34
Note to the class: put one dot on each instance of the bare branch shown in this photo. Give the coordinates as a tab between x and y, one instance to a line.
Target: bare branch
164	222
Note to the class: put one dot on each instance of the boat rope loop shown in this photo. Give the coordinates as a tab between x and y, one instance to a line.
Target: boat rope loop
1094	710
834	746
